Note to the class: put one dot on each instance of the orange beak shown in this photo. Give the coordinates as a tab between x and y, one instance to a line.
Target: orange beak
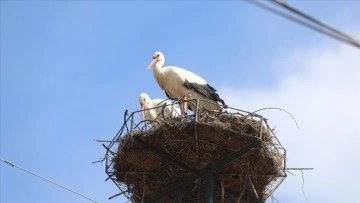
142	112
151	64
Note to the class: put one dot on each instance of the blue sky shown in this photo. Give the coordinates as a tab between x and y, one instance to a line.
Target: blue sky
69	69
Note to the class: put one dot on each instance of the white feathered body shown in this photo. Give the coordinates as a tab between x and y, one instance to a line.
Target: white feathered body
172	79
158	109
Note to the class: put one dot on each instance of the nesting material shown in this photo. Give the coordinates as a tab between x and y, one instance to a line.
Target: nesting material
197	145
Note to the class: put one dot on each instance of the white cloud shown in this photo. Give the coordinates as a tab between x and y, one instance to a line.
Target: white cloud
320	86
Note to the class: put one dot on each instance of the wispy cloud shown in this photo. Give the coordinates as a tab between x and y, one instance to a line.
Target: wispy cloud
320	86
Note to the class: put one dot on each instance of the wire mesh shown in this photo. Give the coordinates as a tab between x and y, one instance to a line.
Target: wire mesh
133	126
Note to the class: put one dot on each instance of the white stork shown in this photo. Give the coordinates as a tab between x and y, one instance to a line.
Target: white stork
180	83
157	109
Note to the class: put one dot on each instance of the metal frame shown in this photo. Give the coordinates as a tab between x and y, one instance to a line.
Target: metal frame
132	124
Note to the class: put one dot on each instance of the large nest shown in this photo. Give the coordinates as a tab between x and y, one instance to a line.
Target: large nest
181	153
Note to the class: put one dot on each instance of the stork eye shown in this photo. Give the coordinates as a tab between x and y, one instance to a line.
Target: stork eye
144	99
158	55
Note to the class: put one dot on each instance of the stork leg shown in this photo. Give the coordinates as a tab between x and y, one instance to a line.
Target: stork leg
183	106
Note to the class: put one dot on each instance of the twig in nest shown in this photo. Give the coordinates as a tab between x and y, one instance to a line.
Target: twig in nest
99	161
103	159
244	186
302	176
271	108
303	183
222	190
117	194
143	196
199	190
102	140
253	188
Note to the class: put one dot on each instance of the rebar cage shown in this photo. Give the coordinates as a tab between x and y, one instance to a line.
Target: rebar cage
235	169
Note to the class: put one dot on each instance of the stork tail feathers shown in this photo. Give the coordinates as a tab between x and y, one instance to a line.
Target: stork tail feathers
206	90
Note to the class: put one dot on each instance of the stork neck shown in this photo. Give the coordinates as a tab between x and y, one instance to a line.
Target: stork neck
159	73
149	104
158	66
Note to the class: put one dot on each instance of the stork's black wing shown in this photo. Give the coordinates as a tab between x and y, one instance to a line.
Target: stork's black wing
204	89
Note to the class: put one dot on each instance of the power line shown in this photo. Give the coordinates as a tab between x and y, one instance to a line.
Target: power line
296	11
289	17
48	180
312	19
309	22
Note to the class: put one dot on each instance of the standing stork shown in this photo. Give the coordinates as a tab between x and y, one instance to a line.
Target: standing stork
155	110
179	83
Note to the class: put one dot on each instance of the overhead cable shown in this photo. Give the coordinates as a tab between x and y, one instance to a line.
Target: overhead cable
305	20
48	180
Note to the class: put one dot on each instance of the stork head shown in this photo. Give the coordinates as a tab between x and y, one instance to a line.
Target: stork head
144	100
157	57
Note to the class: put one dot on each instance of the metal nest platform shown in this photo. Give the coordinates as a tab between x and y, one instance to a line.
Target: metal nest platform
229	156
